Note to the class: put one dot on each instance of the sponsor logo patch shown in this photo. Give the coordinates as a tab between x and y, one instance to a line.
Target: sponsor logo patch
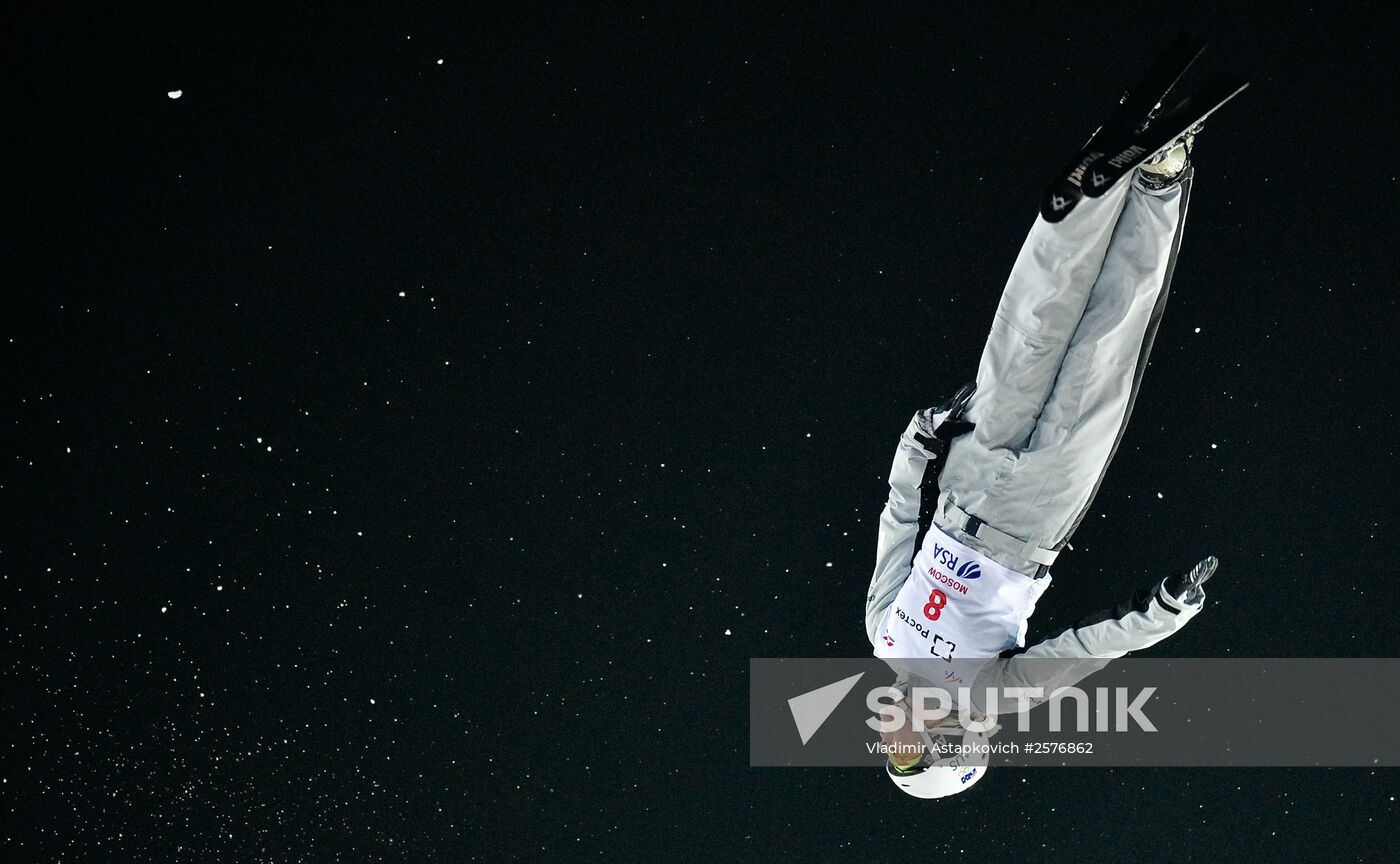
942	648
918	628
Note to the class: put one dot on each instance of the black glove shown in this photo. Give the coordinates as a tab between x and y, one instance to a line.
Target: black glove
1187	588
944	422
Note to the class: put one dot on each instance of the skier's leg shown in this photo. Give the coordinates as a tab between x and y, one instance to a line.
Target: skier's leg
1052	482
1039	312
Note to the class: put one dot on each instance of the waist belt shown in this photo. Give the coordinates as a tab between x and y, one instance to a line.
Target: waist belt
998	541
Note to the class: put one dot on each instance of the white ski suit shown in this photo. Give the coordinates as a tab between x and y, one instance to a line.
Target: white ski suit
1056	384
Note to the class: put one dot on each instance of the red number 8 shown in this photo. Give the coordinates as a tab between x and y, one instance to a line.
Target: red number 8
936	601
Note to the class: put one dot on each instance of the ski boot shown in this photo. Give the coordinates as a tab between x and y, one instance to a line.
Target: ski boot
1167	165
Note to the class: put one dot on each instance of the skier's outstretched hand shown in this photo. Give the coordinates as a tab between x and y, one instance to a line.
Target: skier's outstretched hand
1188	587
945	422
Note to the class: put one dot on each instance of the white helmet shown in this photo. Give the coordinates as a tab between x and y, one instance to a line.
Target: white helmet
935	777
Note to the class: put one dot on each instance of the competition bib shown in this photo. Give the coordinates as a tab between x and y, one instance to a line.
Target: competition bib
957	604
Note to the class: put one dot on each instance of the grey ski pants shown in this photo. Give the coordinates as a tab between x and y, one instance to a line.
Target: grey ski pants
1060	372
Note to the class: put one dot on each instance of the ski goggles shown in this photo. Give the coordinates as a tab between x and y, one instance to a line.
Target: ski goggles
928	754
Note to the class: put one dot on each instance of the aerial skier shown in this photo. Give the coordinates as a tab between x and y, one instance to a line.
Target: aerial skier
1018	457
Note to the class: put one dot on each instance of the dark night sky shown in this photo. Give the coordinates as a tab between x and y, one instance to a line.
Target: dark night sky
412	430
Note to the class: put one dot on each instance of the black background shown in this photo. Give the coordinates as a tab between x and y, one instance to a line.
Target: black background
577	360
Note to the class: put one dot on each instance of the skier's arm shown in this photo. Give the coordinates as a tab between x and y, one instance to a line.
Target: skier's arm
1148	618
899	526
925	440
1096	640
1140	622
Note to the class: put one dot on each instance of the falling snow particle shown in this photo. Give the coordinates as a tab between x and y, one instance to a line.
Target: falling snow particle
439	61
175	94
1198	329
726	632
1159	494
164	609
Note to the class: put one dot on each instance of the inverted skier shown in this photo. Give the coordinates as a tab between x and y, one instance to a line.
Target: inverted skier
1023	456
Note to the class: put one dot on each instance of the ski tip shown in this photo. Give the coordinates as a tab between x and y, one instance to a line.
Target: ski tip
1056	206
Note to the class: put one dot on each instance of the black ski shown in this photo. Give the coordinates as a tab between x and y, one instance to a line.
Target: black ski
1120	160
1134	110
